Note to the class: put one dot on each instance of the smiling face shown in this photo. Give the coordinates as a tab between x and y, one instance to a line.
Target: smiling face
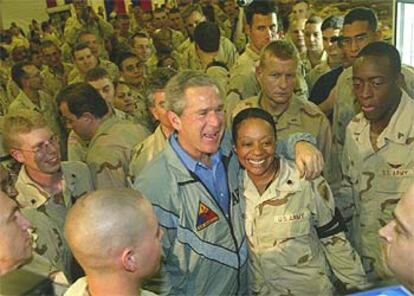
16	242
38	152
201	124
255	145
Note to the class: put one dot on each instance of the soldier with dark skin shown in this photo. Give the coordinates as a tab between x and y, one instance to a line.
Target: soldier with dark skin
378	152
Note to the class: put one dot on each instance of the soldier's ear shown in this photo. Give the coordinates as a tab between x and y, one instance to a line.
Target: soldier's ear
17	155
174	120
129	260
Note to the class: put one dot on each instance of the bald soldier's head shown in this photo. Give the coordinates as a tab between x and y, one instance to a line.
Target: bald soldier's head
113	233
398	238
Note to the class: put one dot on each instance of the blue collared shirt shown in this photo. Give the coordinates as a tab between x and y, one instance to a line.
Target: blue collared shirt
214	177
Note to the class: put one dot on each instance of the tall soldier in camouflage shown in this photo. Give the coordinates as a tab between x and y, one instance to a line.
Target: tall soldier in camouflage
276	75
56	71
85	18
262	28
110	140
148	149
47	187
102	82
378	153
331	29
31	96
292	227
205	54
133	74
360	28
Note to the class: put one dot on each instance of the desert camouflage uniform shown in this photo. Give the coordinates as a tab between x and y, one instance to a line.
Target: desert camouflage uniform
190	59
145	151
110	150
47	108
287	247
12	90
346	106
307	65
300	116
77	147
141	114
54	81
374	180
48	215
177	38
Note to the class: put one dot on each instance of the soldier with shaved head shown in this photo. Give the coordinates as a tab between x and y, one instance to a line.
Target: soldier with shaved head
120	245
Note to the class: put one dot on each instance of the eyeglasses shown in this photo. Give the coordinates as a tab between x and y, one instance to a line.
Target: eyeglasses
43	148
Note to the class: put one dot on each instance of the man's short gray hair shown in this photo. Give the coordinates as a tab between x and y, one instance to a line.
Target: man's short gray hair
175	91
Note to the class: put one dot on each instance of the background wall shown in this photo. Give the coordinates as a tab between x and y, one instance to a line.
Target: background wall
22	12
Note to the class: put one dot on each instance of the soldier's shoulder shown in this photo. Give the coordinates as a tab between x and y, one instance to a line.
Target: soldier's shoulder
310	108
244	104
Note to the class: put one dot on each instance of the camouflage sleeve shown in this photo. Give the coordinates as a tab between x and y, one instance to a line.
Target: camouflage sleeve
345	198
231	53
324	139
137	163
342	258
106	28
76	148
107	172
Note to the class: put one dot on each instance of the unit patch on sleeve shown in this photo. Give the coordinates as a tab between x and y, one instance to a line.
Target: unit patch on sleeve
205	217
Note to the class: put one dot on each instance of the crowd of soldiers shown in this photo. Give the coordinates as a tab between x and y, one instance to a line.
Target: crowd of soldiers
243	150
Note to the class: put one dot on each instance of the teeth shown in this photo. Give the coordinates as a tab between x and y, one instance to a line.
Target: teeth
256	162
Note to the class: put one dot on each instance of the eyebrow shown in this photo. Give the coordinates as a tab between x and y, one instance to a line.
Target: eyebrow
401	224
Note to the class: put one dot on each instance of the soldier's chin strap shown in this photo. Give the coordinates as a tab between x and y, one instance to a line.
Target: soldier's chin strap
335	226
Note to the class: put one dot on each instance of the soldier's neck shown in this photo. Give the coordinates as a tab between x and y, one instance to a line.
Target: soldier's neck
33	95
52	183
273	108
112	284
314	57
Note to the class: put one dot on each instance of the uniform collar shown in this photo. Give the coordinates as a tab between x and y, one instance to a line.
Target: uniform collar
33	195
398	130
